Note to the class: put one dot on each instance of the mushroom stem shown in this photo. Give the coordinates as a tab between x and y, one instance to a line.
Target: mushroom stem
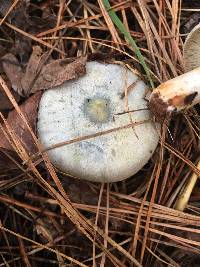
176	94
180	93
183	199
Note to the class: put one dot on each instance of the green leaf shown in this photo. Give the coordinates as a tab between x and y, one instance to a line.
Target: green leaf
116	20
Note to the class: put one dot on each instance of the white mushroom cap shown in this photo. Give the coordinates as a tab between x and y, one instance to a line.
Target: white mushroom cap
87	106
191	49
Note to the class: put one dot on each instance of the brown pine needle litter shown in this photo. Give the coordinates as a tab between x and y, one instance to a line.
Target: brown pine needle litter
49	218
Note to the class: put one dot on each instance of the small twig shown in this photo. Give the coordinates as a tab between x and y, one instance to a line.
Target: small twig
87	137
129	111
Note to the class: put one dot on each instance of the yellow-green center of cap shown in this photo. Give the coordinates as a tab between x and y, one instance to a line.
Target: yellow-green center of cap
97	109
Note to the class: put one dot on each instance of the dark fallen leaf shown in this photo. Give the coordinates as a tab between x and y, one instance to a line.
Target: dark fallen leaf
40	18
6	162
2	53
29	109
5	103
22	48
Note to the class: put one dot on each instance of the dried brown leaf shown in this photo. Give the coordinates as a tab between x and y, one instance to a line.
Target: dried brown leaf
29	109
13	71
38	77
33	68
59	71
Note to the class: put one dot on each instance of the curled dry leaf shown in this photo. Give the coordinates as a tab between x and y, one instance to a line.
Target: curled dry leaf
59	71
45	229
39	76
13	71
29	109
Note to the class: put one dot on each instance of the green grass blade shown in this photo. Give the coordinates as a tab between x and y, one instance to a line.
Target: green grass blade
116	20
